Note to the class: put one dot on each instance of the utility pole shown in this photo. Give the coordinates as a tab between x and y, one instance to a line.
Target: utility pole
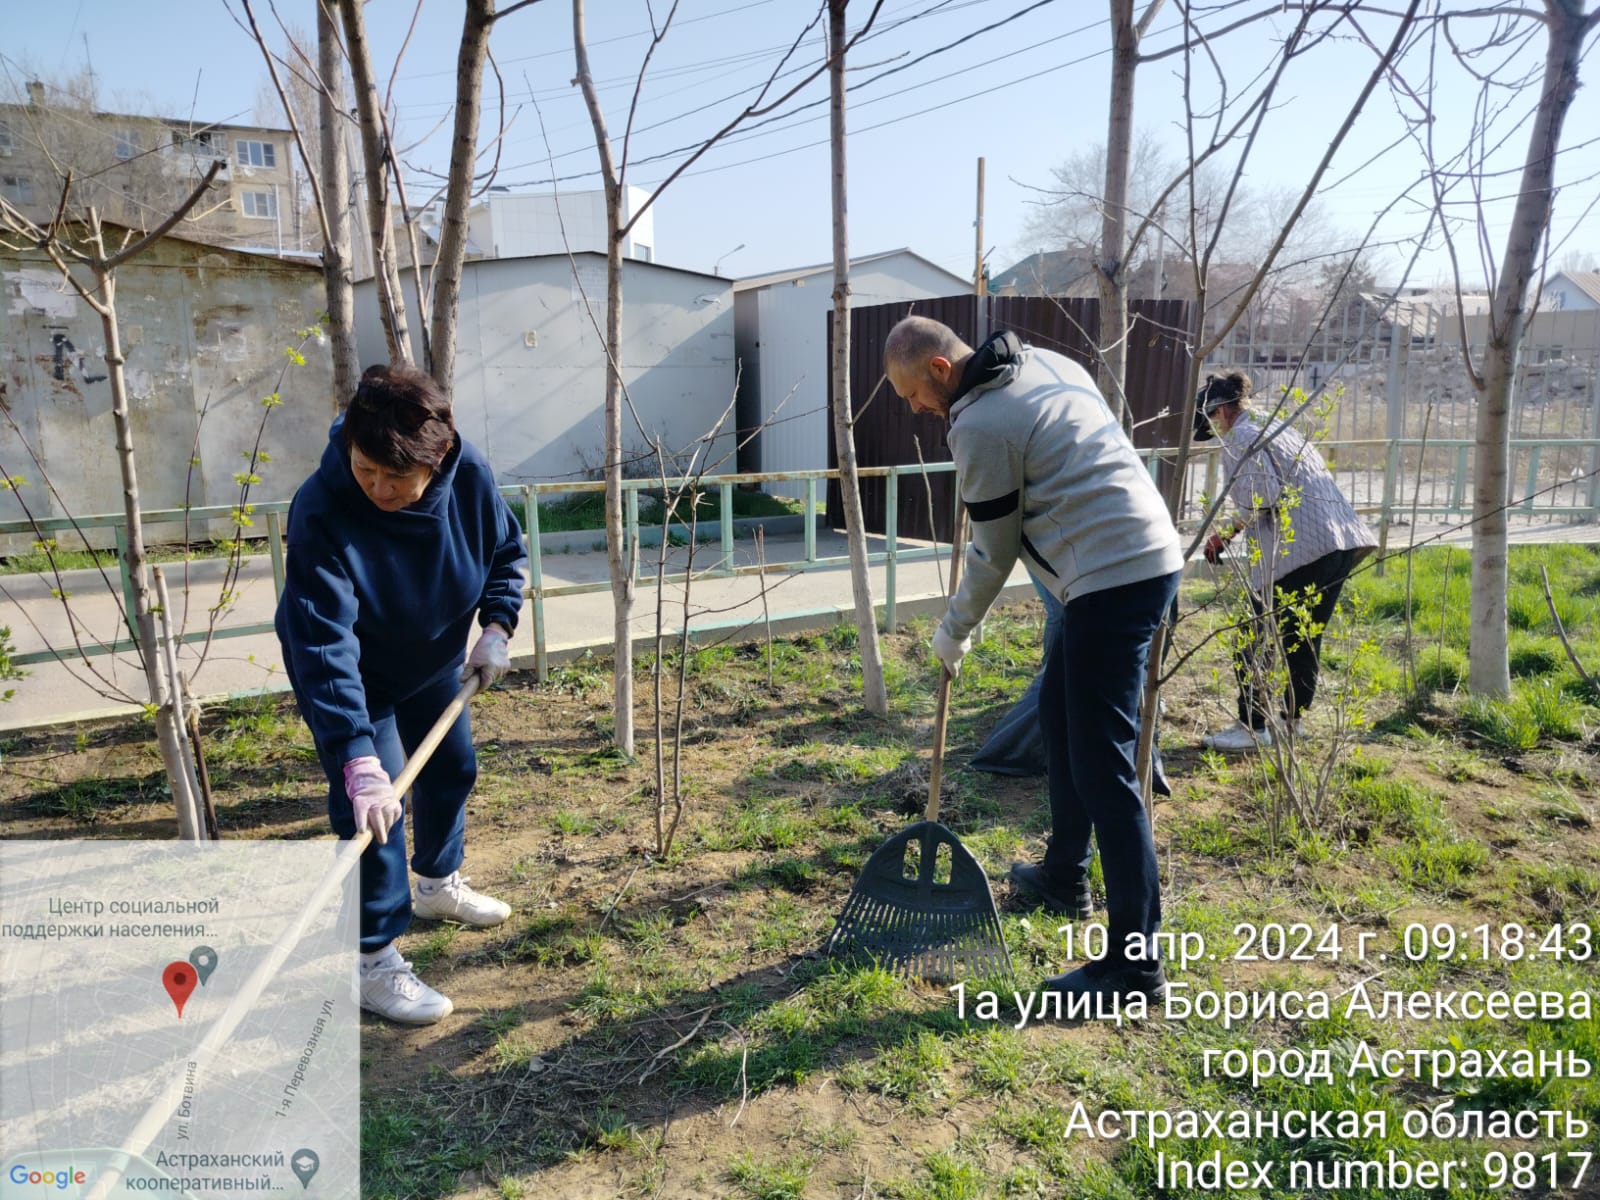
980	285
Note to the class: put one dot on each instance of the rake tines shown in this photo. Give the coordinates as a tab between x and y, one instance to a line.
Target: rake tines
901	915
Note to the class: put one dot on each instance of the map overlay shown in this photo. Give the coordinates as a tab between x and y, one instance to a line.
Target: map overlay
178	1019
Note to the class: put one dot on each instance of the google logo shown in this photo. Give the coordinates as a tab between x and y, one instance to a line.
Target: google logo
56	1179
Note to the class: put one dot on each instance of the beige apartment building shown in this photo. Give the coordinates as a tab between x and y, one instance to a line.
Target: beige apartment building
136	169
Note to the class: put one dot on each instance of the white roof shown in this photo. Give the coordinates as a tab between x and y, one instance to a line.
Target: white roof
751	282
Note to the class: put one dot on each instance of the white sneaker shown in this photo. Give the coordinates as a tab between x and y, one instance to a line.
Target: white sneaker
391	989
1237	739
450	899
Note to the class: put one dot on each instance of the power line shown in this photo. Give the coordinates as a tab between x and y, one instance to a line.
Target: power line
764	128
621	37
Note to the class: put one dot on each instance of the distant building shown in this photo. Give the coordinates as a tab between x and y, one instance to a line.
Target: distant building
203	333
135	170
1571	291
528	224
1071	274
1049	273
531	366
781	336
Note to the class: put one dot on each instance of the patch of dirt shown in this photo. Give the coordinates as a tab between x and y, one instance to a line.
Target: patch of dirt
616	966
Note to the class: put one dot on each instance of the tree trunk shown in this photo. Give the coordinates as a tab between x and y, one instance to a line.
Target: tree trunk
618	556
463	160
375	153
874	694
169	734
1111	271
337	273
1489	671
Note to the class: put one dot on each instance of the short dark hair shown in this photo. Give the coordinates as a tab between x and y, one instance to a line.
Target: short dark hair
399	418
1217	390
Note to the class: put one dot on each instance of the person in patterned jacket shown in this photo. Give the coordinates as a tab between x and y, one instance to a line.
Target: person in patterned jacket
1309	538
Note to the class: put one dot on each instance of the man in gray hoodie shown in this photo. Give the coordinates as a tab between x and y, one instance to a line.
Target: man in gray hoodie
1048	475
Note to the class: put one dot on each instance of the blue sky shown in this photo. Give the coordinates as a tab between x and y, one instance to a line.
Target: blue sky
1024	96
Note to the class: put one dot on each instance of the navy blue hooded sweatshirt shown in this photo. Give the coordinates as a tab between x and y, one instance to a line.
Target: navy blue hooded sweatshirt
376	603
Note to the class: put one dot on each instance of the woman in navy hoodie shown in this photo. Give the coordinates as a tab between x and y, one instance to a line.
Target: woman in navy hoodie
395	544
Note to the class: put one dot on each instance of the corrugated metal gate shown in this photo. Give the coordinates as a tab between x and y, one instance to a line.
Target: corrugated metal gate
888	433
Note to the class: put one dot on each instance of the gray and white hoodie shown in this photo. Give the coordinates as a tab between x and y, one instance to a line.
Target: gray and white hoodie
1046	472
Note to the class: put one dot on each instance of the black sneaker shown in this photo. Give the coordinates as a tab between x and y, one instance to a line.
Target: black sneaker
1068	898
1096	978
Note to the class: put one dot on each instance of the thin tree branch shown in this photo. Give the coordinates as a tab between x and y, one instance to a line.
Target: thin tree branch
161	230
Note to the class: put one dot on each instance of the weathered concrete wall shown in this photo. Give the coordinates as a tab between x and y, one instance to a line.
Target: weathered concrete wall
204	333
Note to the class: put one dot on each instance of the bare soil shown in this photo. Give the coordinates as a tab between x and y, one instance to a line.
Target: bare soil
540	1067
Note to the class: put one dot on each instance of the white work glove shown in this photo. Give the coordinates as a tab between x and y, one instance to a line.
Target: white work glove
372	797
949	651
490	658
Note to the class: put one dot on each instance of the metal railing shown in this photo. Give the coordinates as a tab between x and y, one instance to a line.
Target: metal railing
1374	473
524	500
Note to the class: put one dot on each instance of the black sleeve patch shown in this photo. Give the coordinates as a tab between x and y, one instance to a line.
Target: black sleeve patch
993	510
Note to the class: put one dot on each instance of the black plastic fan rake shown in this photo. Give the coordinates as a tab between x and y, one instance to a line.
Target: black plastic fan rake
922	904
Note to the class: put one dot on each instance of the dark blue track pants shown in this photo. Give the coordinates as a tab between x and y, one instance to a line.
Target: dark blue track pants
1089	710
436	811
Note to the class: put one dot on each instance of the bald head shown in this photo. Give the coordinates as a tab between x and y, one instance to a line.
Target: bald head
923	360
913	341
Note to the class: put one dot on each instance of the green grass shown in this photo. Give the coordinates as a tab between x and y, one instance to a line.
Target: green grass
411	1147
1538	710
584	511
86	800
759	823
987	1105
38	562
783	1179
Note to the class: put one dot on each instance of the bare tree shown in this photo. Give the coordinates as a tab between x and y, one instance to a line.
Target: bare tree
876	695
1112	265
479	16
377	154
613	170
1239	128
89	257
1567	28
338	270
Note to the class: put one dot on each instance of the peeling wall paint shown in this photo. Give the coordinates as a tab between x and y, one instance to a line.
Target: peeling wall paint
40	291
196	341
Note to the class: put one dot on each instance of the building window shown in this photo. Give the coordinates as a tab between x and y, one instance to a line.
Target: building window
255	154
259	204
127	143
642	252
8	142
17	188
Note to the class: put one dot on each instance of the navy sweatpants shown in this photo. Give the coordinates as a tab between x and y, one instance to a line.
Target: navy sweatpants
436	812
1089	710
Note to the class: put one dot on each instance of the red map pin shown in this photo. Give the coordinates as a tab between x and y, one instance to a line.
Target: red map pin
179	980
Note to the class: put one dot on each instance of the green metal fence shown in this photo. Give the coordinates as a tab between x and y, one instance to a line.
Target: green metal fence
1393	479
524	499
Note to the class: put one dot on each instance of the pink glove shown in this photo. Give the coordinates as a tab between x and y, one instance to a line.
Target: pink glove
372	797
490	658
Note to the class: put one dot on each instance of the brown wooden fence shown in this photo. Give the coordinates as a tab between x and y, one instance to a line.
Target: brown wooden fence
888	433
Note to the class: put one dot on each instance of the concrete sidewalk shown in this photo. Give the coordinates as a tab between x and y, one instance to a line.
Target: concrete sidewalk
112	685
817	597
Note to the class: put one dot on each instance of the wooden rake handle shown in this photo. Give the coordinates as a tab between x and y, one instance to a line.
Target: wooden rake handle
425	748
941	716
